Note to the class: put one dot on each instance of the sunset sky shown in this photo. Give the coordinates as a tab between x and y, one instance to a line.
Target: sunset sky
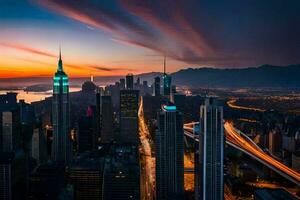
114	37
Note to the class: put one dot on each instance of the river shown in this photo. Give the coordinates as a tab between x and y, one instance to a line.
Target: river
30	97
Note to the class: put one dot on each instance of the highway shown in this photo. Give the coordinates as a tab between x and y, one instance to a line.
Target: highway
231	104
148	163
241	142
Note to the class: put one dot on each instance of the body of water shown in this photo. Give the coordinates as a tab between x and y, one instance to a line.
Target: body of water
30	97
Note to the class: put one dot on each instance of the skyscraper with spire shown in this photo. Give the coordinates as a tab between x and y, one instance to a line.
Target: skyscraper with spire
61	146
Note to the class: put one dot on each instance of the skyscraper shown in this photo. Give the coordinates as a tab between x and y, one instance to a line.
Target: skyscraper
85	133
129	100
38	145
121	177
166	81
179	101
86	175
129	82
209	161
156	86
9	122
169	154
61	146
122	83
98	116
10	130
7	132
107	119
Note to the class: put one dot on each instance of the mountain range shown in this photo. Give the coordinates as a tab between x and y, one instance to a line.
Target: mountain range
266	76
263	76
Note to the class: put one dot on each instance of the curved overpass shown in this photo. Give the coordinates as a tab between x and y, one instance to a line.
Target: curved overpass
240	141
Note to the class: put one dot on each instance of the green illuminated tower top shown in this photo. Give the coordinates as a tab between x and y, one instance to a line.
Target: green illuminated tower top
166	81
60	79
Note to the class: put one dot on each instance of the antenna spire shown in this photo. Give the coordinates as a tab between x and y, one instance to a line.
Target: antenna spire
164	64
60	65
59	52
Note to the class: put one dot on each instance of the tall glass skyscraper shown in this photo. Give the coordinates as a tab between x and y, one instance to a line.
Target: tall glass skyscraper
169	154
61	146
209	160
129	127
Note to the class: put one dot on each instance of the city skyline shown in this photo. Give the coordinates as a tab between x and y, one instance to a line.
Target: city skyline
149	99
115	38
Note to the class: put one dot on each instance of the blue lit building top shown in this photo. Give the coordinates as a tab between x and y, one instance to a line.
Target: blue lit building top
60	79
169	108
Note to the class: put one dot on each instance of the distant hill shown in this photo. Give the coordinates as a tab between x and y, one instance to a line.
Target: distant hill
263	76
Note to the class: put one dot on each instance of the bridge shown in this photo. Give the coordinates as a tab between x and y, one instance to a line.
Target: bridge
242	142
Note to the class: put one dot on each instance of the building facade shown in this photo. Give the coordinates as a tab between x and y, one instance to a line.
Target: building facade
209	160
156	86
129	82
169	154
6	159
61	146
107	129
129	100
86	176
122	173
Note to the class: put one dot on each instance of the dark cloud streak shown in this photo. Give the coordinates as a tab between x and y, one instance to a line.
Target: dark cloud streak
108	69
208	32
28	49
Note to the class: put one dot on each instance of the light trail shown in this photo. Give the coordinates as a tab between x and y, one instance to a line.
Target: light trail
146	152
188	173
231	104
240	141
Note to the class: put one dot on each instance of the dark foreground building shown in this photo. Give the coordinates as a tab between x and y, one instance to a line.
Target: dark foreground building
46	182
122	174
6	175
169	154
209	157
86	175
129	101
